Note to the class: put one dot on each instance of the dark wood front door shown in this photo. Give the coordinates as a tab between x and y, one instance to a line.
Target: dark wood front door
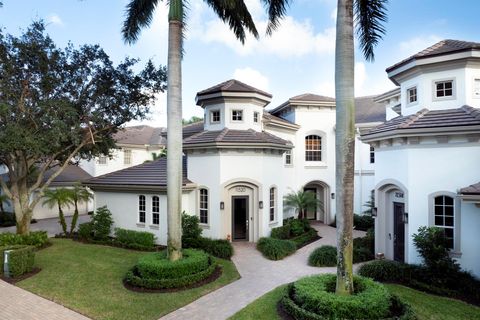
311	214
240	218
398	232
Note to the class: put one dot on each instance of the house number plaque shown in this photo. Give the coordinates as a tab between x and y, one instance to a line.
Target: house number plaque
240	189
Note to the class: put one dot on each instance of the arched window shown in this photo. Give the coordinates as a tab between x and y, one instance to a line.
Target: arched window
313	148
272	205
142	208
155	210
204	206
444	217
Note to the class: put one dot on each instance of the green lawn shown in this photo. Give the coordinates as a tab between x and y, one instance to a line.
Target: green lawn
88	279
426	306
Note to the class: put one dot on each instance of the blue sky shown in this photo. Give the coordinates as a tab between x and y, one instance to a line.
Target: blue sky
298	58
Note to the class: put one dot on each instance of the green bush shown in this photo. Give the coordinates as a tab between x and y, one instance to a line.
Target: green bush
325	256
298	226
7	219
217	247
135	238
276	249
85	231
35	238
383	270
102	223
190	227
305	237
21	259
316	295
282	232
363	222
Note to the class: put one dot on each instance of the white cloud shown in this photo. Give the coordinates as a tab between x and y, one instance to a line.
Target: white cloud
326	88
360	78
252	77
333	14
158	113
55	19
417	44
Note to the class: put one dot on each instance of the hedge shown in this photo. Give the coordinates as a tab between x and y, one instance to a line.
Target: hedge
325	256
135	238
37	239
276	249
21	259
315	298
305	237
216	247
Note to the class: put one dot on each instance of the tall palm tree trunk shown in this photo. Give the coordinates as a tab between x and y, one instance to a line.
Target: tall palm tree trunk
344	144
174	130
62	220
74	218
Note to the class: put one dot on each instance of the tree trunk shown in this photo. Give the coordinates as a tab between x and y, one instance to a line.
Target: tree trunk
21	206
63	223
174	131
344	144
74	219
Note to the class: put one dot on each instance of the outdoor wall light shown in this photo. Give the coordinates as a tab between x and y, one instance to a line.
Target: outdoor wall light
222	205
405	217
374	212
332	195
260	204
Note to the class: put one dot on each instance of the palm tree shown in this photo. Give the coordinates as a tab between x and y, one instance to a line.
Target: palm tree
58	197
301	201
78	194
369	16
139	15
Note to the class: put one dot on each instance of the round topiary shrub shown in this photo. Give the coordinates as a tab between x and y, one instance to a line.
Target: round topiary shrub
325	256
276	249
315	298
155	271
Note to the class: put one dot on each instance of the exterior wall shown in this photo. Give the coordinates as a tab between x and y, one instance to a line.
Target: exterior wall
124	209
226	108
364	175
44	212
470	224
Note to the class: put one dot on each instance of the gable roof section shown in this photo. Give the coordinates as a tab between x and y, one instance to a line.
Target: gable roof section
270	119
232	85
191	129
426	121
140	135
68	177
473	189
146	175
443	47
235	138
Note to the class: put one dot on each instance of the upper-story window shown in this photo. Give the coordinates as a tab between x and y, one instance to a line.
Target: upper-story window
215	116
102	160
288	157
444	88
142	208
237	115
313	148
255	117
476	88
155	210
412	95
444	211
372	154
272	204
127	156
203	206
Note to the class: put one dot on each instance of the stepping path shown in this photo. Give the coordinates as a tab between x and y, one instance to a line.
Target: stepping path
259	276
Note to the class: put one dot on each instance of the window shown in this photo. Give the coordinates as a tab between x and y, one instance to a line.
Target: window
412	95
127	156
215	116
141	209
372	154
288	157
313	148
102	160
255	117
476	88
155	210
272	204
444	211
444	88
204	206
237	115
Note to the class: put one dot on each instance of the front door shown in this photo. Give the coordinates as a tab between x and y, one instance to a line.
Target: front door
398	232
311	214
240	218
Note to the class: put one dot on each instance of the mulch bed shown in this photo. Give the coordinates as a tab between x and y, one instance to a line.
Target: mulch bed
282	313
310	241
22	277
214	276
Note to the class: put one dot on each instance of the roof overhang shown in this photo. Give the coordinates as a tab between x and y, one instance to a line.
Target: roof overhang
132	188
281	124
303	103
475	198
204	99
387	95
237	145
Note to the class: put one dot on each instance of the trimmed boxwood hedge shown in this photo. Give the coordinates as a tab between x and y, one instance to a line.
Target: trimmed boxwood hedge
216	247
135	238
21	259
38	239
276	249
315	298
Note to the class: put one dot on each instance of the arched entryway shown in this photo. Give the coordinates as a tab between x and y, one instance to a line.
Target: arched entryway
391	231
322	193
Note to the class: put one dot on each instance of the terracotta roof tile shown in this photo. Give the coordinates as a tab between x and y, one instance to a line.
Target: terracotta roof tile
232	86
473	189
234	136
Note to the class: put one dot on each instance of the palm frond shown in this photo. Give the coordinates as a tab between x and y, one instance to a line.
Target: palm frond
139	14
235	13
370	15
276	11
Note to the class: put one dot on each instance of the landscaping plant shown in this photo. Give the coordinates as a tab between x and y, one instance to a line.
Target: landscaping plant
102	223
325	256
135	239
37	239
276	249
301	201
61	198
78	194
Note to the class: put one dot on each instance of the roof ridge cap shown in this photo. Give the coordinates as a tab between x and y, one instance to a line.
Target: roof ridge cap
221	135
474	112
195	135
414	117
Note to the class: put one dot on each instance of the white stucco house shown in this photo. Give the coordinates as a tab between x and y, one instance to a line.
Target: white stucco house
427	158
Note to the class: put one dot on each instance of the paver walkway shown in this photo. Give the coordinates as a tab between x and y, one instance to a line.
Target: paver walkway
259	276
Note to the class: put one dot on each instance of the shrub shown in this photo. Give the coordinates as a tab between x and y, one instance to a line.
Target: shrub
217	247
383	270
135	238
298	226
315	298
85	231
282	232
190	227
2	254
21	259
363	222
305	237
276	249
102	223
325	256
36	238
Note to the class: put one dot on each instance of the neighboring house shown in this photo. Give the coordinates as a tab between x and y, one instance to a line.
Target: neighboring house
241	162
427	165
136	145
69	177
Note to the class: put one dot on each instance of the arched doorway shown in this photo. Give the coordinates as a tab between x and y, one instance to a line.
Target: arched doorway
322	193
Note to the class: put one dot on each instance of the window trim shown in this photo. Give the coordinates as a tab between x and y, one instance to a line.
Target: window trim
125	152
153	212
288	153
434	89
236	110
372	154
256	116
207	209
313	150
139	211
272	206
473	87
408	103
219	116
456	251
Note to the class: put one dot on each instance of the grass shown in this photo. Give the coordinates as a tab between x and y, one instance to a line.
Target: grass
426	306
88	279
